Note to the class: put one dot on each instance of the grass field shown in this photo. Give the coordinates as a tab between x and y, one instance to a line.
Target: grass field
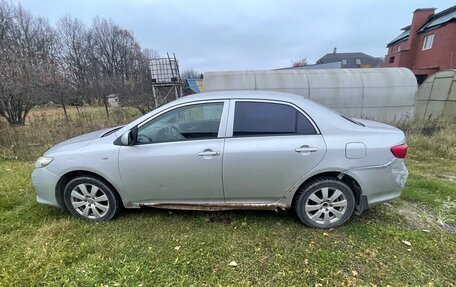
410	241
48	126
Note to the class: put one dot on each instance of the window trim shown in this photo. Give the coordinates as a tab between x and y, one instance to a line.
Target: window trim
222	126
232	107
431	37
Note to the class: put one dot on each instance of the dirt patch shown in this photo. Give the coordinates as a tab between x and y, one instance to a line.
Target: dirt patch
417	217
220	219
449	177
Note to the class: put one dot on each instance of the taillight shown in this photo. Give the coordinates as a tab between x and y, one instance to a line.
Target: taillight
399	151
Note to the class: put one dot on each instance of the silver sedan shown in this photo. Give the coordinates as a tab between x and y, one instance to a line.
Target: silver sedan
229	150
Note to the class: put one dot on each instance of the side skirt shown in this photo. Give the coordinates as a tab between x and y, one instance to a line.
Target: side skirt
217	207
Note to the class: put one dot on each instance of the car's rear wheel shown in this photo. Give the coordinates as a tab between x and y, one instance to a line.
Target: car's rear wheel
326	202
91	199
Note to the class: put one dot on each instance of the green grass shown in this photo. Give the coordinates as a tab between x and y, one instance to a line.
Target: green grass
429	191
39	246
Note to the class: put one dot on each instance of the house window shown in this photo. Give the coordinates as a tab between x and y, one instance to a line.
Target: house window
344	62
399	48
391	60
427	42
358	61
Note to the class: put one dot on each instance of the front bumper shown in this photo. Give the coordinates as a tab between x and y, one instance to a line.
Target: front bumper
381	183
44	183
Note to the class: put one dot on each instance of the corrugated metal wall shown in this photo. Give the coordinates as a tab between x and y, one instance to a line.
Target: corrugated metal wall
386	94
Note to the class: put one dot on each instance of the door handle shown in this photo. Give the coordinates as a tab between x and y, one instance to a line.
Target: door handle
208	152
306	148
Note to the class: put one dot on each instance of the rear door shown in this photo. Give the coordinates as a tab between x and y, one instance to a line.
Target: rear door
269	146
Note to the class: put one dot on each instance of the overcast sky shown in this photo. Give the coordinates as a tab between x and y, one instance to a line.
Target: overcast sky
248	34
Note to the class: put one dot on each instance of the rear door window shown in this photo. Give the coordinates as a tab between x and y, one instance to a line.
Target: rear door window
262	118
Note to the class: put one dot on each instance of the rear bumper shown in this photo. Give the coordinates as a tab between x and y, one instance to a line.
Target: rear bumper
44	183
380	183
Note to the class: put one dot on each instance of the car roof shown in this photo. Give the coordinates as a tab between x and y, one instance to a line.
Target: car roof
255	95
242	94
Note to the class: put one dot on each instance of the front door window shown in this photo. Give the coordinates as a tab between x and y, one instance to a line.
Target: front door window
199	121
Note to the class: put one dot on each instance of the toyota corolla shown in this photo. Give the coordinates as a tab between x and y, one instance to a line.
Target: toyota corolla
229	150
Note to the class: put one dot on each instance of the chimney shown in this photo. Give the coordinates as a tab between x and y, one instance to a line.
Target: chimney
420	17
335	50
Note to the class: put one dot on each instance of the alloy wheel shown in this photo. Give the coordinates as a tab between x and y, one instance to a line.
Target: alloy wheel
89	201
326	206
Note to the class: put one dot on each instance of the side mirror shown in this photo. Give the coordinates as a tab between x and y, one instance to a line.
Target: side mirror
125	138
128	138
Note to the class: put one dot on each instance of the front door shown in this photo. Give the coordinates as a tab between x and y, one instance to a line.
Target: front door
177	157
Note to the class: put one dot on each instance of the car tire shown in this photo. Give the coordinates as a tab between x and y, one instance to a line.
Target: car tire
91	199
326	202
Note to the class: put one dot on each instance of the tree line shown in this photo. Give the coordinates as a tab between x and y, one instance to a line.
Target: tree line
40	63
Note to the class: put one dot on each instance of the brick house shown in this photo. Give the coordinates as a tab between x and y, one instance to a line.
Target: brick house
427	45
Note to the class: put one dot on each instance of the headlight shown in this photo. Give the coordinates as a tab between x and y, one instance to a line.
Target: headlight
43	161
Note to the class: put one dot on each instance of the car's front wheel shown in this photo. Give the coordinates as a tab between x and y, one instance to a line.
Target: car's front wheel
326	202
90	198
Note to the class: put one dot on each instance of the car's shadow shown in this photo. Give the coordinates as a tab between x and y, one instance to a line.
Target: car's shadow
378	214
216	217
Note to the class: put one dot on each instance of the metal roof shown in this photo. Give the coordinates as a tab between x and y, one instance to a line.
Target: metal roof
439	19
404	35
349	59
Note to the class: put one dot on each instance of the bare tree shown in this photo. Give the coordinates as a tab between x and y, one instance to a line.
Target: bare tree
75	56
39	63
123	67
191	74
27	61
300	63
139	87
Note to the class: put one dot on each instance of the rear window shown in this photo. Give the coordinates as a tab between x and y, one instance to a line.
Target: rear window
257	119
